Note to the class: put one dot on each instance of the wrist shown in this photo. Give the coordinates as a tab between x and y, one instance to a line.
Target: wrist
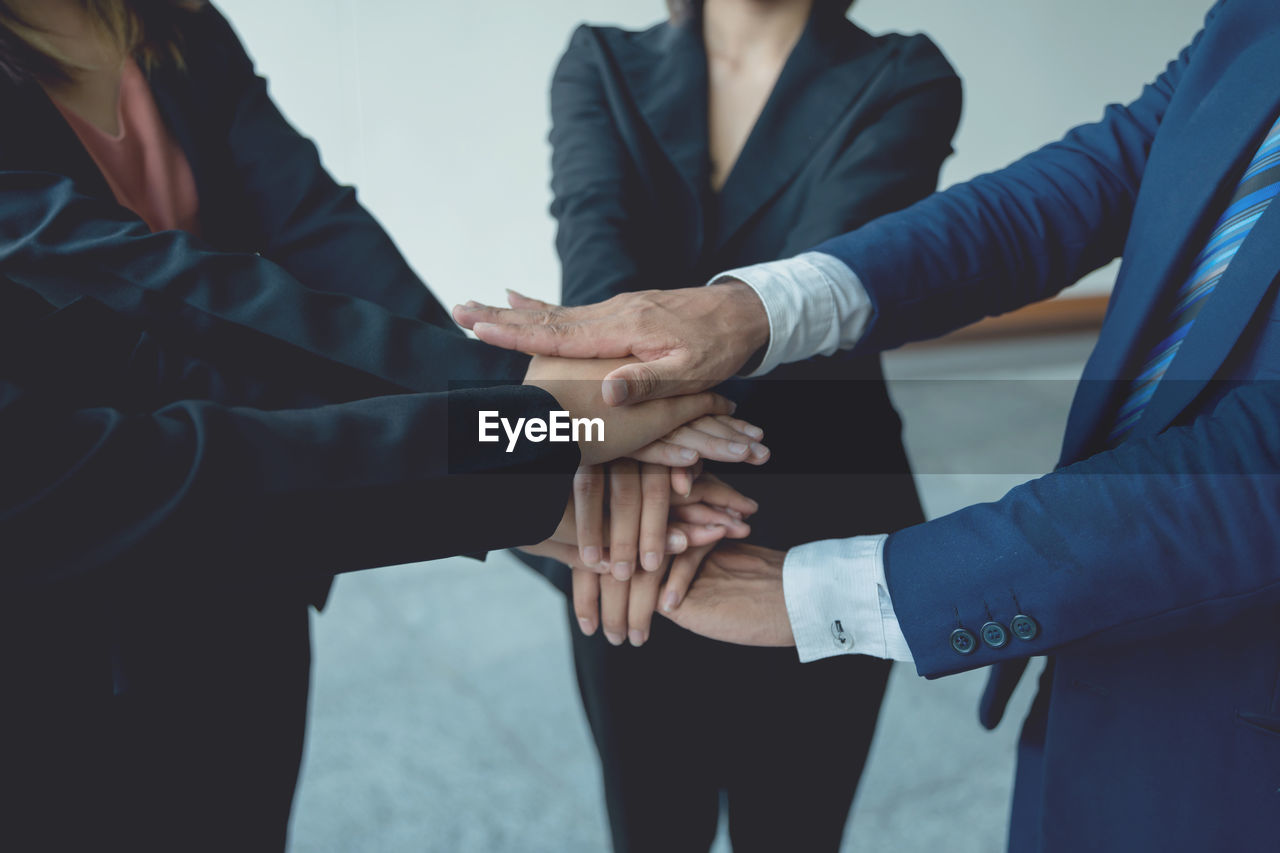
747	317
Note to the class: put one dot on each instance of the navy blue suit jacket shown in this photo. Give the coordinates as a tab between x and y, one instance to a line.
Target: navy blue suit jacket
1152	569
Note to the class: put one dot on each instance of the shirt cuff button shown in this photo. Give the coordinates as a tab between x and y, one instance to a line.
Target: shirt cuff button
840	635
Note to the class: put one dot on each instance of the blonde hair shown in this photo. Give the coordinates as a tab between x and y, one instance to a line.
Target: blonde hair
145	30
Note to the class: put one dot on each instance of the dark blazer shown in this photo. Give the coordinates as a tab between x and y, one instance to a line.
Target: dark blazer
195	434
1151	568
857	126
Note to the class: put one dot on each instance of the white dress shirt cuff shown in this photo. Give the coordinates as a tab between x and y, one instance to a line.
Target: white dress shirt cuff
815	304
838	600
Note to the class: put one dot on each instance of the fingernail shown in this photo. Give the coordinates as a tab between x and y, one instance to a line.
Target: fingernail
669	601
733	512
754	431
759	450
651	560
614	639
713	526
622	571
614	391
588	627
688	455
637	637
591	555
738	449
471	303
483	327
676	542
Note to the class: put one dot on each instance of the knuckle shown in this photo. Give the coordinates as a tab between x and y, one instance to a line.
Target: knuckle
656	488
624	492
586	482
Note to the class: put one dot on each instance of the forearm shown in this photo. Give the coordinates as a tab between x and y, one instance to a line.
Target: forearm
223	305
1161	534
311	491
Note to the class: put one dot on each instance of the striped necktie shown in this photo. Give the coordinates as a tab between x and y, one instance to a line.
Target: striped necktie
1260	183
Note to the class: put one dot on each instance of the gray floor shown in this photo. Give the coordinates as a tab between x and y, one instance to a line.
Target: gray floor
445	716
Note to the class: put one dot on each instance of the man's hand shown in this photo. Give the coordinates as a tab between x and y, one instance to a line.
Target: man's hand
686	340
736	598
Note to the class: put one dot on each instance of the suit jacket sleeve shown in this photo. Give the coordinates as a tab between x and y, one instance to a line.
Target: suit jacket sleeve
892	160
301	218
1178	531
87	491
593	180
65	245
1011	237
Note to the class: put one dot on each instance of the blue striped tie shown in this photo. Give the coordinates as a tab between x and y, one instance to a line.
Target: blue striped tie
1261	183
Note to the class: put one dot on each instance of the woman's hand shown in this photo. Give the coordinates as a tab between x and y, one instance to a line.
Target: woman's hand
624	606
661	431
644	516
716	437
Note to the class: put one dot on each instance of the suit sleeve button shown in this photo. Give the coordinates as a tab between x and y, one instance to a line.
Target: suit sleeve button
995	635
963	642
1024	627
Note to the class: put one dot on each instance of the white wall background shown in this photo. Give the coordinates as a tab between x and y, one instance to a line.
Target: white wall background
437	110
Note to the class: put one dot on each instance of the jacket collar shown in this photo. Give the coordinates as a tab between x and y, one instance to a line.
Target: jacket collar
826	70
665	69
37	138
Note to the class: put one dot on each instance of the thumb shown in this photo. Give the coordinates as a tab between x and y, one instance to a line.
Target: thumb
645	380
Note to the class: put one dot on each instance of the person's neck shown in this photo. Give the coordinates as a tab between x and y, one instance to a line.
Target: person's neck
71	31
740	31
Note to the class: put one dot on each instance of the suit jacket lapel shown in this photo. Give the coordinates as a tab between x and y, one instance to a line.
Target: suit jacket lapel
665	69
819	80
37	138
178	102
1193	165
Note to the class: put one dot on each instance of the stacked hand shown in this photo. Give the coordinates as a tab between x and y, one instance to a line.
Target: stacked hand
661	516
685	340
737	597
623	601
677	431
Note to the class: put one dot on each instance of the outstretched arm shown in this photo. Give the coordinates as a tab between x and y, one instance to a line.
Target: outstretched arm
87	491
1158	535
980	248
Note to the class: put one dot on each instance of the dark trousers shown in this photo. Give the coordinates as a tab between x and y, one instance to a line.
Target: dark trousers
193	743
684	718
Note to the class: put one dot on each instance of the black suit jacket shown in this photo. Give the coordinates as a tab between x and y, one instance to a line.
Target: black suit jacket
195	433
856	126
